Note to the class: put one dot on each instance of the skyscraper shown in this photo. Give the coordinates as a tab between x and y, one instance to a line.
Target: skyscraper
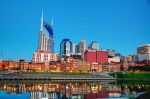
42	41
75	48
65	48
46	42
82	48
79	49
50	42
45	51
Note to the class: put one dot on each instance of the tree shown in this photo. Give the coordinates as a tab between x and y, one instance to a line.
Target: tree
3	67
121	68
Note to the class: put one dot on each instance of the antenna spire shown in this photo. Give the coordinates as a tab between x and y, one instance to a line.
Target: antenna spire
52	21
42	21
1	57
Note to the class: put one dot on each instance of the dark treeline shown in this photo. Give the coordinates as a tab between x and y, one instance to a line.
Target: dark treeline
145	68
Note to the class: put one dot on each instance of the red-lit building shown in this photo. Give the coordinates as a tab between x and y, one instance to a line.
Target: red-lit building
97	56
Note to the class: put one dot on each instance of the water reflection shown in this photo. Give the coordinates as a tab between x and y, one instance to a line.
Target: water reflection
73	90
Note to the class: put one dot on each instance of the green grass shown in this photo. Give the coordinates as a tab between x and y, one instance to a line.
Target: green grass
131	75
138	75
59	73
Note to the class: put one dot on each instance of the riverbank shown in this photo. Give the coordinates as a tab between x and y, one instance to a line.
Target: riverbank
132	78
131	75
53	76
56	73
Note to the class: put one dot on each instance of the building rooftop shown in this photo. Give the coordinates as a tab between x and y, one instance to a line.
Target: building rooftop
144	45
66	39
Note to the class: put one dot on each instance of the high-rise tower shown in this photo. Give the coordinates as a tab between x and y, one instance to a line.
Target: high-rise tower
45	52
46	38
50	41
82	48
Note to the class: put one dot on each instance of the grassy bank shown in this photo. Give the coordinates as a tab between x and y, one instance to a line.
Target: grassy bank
131	75
57	73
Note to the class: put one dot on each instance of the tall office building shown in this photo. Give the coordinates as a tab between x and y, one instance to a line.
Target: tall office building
49	30
45	51
65	48
43	40
79	49
75	49
46	38
82	48
93	46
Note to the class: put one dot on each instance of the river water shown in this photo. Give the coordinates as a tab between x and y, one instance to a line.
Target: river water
72	89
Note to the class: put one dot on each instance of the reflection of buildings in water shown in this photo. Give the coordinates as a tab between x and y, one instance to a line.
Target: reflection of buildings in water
18	89
114	91
54	90
69	90
113	88
126	91
40	95
44	91
45	88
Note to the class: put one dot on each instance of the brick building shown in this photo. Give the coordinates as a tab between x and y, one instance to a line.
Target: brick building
97	56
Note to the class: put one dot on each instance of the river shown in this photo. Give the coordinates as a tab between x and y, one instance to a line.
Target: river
72	89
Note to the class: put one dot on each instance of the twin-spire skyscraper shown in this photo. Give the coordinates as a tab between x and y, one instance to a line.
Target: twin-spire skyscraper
46	38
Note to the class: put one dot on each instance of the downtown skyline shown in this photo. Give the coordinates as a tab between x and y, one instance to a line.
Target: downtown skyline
119	25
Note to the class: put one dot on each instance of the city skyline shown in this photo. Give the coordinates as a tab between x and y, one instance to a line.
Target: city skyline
119	25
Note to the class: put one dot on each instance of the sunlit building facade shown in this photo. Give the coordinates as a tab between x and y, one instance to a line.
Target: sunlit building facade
44	56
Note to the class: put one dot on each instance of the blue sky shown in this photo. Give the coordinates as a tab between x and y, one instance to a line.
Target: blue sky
117	24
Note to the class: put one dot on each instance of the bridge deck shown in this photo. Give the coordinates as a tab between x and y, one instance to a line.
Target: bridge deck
52	78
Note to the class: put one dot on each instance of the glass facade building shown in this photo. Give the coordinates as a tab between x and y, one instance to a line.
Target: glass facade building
65	48
49	30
